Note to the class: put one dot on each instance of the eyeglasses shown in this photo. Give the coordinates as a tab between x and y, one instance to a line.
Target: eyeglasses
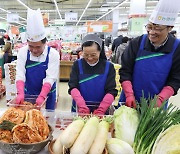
94	55
155	29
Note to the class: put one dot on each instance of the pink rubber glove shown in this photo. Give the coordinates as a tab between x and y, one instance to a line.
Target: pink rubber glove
20	91
81	104
165	94
104	105
43	94
130	99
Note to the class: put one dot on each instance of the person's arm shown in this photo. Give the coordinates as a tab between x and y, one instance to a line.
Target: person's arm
164	95
74	89
21	62
110	92
128	60
74	79
52	72
117	54
113	46
126	70
20	74
51	76
174	74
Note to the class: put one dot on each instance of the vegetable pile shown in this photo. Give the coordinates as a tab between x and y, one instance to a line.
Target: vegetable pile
82	138
152	122
145	130
168	141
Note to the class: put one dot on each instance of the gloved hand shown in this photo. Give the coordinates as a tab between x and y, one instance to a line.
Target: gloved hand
81	104
104	105
130	99
43	94
165	94
20	91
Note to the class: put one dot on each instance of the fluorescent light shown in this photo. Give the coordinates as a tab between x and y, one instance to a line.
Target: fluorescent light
112	2
14	22
111	10
57	9
20	23
22	18
2	18
84	12
11	12
23	4
5	10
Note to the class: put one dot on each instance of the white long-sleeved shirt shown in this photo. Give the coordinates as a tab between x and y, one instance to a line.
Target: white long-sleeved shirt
53	66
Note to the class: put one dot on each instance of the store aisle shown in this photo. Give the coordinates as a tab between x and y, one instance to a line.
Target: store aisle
64	101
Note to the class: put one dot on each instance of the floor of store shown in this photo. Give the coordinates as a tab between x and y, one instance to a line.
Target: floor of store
64	101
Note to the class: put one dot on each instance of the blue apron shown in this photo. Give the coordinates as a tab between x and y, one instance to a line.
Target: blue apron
35	73
91	87
151	71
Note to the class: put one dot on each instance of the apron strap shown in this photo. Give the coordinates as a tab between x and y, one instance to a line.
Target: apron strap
80	66
143	42
107	67
176	43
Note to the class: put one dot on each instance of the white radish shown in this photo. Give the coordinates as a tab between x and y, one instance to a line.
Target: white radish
86	137
100	139
70	134
57	146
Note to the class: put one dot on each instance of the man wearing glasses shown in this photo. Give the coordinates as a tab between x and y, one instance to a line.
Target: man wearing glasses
151	62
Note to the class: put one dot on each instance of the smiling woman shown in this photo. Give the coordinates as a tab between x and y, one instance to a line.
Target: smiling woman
92	80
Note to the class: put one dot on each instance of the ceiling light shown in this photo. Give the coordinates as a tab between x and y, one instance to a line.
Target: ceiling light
11	12
57	9
20	23
2	18
22	18
5	10
112	2
111	10
23	4
84	12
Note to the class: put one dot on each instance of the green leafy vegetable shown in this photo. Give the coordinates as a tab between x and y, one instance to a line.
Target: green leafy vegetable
168	142
152	122
117	146
126	122
7	125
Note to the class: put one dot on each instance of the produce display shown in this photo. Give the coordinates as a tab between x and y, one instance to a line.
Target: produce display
144	130
83	137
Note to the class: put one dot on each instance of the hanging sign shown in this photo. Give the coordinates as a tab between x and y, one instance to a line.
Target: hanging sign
12	17
71	16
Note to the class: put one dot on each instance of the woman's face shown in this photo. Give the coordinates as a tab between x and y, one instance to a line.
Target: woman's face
157	33
91	53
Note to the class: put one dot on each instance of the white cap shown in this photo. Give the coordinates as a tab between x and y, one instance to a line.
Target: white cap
165	12
35	27
93	38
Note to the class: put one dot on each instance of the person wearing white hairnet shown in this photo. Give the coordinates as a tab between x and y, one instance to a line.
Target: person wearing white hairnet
37	64
151	62
92	81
